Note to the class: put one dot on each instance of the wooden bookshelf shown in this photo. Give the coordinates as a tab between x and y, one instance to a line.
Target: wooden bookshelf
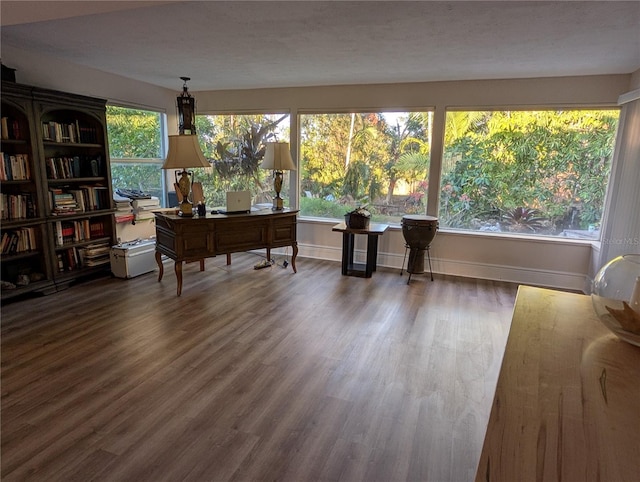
55	169
25	263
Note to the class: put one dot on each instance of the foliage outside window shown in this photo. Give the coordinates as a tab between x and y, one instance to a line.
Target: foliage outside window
235	146
135	149
534	172
377	160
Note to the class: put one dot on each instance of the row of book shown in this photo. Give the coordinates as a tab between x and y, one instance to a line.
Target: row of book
73	167
71	132
19	241
10	128
14	167
78	231
65	201
71	259
17	206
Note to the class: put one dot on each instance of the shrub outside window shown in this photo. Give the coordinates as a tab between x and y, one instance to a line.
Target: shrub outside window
377	160
534	172
135	149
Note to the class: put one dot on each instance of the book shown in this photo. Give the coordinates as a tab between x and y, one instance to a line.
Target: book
5	128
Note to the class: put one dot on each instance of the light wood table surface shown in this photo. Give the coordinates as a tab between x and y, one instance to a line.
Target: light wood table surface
567	402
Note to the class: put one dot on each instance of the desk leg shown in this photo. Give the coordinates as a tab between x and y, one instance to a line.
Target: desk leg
372	255
202	264
228	259
178	270
160	265
294	247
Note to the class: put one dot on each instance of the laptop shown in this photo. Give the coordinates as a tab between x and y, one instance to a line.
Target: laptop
238	202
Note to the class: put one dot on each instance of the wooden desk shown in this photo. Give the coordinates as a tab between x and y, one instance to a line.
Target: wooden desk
567	402
197	238
349	268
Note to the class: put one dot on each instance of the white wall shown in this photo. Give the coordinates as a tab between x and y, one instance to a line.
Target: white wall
43	71
528	260
547	262
622	222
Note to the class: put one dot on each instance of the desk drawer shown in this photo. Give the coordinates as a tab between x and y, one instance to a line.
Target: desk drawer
284	231
242	237
197	242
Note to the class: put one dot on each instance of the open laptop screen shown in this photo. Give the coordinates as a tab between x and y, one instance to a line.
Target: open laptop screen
238	202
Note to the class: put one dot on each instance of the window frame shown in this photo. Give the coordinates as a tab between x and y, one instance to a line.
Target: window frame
373	110
163	136
526	108
290	175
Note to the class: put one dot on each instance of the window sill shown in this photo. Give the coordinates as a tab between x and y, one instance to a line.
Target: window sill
528	238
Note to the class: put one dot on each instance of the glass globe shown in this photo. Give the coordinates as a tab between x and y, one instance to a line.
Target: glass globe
616	297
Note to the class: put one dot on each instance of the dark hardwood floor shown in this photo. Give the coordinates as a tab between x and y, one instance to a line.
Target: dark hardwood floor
252	375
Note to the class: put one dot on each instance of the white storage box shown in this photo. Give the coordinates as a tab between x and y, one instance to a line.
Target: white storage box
133	258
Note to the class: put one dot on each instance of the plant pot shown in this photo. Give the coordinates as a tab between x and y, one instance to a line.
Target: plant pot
356	221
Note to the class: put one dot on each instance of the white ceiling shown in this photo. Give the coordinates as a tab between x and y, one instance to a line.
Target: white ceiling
243	44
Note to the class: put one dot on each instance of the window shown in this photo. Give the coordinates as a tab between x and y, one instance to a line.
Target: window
535	172
235	144
378	160
135	147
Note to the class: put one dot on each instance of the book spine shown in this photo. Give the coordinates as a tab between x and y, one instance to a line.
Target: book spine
5	128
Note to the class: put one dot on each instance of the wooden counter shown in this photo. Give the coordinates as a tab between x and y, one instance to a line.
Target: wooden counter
567	402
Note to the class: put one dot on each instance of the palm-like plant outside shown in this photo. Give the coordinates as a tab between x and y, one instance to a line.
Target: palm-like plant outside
523	219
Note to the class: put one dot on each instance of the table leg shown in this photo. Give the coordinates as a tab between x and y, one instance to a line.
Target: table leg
202	264
294	247
178	270
160	265
372	255
347	252
228	259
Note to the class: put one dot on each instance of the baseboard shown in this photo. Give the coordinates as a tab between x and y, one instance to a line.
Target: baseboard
513	274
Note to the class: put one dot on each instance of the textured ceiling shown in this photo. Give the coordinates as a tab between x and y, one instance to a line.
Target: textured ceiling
241	44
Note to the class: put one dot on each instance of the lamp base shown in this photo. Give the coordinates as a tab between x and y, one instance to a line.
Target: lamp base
186	209
278	204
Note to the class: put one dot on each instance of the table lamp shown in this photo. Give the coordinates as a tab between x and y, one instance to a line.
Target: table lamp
184	150
277	156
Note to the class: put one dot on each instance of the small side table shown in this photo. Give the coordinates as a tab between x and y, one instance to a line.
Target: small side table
373	232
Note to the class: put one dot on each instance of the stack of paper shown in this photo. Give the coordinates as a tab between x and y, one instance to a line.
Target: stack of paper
124	210
143	208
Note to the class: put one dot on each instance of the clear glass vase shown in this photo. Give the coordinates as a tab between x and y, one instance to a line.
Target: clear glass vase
616	297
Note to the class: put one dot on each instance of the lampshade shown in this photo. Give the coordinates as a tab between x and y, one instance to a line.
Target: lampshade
277	156
184	151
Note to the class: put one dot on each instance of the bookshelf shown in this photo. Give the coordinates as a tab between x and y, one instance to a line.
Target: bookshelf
57	198
24	263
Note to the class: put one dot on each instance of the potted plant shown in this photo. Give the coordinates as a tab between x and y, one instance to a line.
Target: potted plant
359	218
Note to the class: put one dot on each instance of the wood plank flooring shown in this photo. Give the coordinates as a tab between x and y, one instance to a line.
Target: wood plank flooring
252	375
